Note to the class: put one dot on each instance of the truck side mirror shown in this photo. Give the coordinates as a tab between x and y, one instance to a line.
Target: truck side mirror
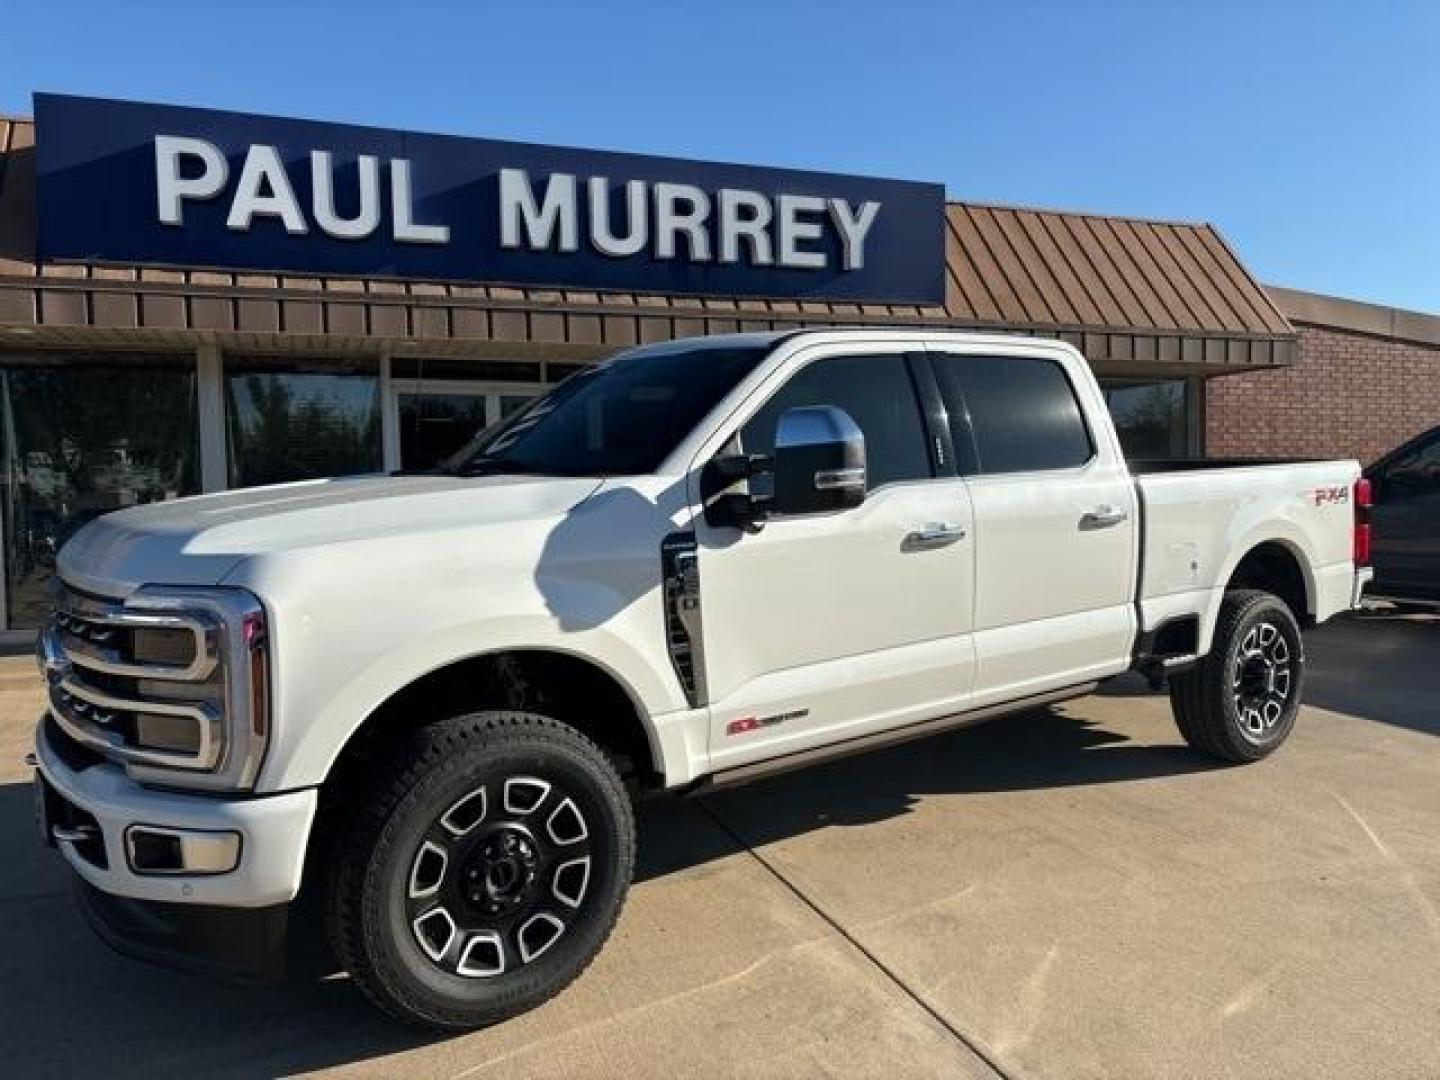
819	463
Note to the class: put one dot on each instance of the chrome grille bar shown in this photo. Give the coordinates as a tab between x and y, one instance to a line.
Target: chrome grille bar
196	715
87	715
78	618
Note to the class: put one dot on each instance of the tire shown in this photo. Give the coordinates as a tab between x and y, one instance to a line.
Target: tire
1240	701
482	872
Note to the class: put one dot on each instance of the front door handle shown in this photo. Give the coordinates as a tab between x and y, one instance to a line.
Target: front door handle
1103	517
934	535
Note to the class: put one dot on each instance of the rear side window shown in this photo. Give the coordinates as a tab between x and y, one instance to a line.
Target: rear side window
877	393
1022	410
1414	474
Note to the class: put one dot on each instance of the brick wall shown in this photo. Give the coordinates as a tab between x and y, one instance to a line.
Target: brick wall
1349	395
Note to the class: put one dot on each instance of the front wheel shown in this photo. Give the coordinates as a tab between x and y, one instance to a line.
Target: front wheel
1239	703
483	872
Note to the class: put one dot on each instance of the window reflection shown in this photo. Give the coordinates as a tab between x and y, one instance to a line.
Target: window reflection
80	440
434	426
286	421
1151	418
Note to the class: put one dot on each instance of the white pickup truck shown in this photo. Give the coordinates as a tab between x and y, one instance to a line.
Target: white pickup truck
427	701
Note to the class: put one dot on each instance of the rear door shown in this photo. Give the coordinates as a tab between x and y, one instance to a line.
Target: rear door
1056	530
1406	519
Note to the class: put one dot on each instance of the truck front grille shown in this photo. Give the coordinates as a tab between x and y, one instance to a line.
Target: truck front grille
144	687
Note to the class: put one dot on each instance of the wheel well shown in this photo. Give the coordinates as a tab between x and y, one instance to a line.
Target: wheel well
1273	568
559	685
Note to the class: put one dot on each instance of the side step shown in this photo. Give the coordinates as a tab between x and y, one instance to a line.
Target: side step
744	774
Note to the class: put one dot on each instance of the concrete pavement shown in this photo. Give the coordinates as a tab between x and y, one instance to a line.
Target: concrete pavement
1067	893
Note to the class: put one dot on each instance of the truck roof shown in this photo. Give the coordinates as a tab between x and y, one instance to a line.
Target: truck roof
773	337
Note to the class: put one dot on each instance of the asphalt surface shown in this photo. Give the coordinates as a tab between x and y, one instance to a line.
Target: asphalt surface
1067	893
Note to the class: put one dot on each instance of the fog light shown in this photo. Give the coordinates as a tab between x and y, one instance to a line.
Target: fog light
150	849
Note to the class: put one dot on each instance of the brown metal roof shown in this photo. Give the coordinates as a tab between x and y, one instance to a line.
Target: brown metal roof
1052	268
1125	291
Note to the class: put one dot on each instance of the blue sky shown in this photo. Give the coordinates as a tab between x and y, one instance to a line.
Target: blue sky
1309	132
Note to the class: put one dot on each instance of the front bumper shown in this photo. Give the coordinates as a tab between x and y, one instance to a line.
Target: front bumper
250	944
273	829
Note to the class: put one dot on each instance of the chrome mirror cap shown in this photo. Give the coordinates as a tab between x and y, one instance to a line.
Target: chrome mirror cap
819	461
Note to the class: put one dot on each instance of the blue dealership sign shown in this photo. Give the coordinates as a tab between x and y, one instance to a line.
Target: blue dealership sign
155	184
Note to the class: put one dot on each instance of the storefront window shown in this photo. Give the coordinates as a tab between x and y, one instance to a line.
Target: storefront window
442	402
83	437
1151	417
294	421
434	426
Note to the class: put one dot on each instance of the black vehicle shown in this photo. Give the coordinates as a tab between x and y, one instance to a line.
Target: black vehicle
1406	521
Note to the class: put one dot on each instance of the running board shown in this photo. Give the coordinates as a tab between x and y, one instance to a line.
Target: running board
1400	601
756	770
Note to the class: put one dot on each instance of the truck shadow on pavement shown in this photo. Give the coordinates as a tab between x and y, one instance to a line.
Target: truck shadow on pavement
1039	749
74	1008
1377	666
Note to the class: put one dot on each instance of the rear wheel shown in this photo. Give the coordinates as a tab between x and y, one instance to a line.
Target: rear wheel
1240	701
484	872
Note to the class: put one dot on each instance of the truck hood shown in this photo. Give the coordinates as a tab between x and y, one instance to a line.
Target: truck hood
198	541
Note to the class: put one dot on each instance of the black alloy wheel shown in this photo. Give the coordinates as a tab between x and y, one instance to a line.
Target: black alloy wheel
499	876
1262	679
1240	701
482	871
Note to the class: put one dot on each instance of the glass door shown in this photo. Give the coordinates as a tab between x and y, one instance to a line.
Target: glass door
436	417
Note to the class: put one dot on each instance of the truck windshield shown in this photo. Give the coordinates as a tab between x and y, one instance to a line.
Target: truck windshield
621	417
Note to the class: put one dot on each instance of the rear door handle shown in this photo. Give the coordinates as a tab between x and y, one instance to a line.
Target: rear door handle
1103	517
934	535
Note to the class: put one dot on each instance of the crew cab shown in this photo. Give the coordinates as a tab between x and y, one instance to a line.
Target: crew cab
426	702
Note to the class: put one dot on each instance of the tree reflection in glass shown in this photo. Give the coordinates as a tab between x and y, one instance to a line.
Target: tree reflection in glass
81	440
297	425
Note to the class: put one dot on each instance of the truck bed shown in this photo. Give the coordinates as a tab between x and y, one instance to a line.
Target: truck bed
1201	517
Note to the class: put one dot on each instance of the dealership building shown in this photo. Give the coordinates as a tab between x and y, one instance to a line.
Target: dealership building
193	301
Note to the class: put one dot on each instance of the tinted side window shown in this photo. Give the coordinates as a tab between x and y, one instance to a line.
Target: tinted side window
877	393
1415	474
1023	412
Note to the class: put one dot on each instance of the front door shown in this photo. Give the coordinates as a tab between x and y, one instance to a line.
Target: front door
829	626
1406	523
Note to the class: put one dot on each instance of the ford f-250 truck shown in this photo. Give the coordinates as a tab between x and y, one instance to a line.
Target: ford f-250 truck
427	701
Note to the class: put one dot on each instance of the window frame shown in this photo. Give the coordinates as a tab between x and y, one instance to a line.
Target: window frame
972	452
907	352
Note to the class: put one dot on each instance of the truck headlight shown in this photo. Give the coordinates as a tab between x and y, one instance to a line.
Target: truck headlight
172	682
